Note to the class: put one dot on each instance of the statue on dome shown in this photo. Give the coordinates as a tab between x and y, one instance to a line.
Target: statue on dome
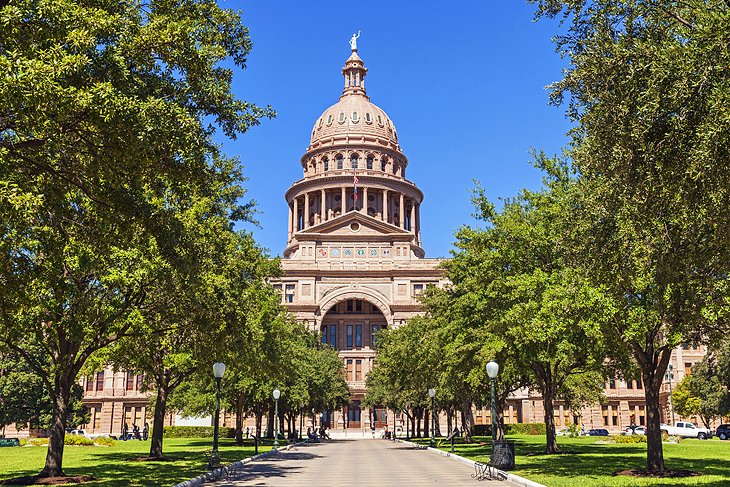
353	41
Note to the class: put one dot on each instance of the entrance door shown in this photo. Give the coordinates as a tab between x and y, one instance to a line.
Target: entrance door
353	415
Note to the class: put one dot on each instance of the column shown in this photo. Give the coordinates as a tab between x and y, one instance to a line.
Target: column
364	203
418	223
323	206
343	204
306	210
413	217
296	214
385	206
291	223
402	212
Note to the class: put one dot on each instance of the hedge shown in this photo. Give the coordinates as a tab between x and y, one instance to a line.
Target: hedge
196	432
511	429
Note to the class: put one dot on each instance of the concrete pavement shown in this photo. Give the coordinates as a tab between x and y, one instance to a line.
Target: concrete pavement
355	462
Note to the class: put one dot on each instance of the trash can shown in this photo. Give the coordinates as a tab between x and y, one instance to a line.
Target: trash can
503	455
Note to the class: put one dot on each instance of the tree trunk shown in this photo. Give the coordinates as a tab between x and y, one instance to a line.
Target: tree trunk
270	423
467	421
551	442
54	457
158	422
426	430
419	414
654	452
239	420
259	420
499	420
449	421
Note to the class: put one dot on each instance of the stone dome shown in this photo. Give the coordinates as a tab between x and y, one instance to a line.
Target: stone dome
354	116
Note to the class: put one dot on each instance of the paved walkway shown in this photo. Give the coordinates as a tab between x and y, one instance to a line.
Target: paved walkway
355	462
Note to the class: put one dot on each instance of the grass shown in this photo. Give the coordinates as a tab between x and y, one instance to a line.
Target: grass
596	463
111	466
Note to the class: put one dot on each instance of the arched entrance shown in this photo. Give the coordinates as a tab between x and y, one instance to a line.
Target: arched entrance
351	326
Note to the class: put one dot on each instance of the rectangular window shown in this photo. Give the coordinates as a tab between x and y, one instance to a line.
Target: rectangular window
629	384
324	333
353	411
382	166
289	293
358	370
354	162
130	381
370	163
417	289
358	336
326	165
639	385
349	336
350	370
350	306
89	383
687	368
612	382
358	306
333	336
96	418
339	162
100	381
140	378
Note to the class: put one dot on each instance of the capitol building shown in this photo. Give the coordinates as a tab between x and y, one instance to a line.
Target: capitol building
354	264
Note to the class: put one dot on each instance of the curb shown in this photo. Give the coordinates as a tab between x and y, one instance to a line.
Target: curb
510	477
223	471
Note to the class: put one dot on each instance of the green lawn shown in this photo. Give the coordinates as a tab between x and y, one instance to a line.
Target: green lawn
596	463
111	465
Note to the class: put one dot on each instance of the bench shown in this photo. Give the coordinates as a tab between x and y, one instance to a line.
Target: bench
485	471
213	459
9	442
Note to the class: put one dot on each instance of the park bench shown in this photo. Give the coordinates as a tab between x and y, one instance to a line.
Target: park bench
9	442
212	458
501	457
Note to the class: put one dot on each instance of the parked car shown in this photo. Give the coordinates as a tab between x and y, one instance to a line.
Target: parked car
634	430
598	432
640	430
687	430
723	431
563	432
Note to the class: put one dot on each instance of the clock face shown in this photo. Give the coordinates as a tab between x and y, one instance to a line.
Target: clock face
373	252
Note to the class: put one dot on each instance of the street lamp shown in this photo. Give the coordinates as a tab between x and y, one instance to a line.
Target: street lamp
669	377
408	419
218	370
277	395
492	371
432	395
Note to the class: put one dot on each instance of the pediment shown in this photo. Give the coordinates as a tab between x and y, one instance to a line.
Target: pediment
354	224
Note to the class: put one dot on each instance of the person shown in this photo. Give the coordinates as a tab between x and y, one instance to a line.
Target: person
311	437
325	434
146	431
353	41
247	432
372	428
135	431
125	432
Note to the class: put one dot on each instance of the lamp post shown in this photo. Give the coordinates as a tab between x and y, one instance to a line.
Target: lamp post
492	371
277	395
301	419
432	395
218	370
669	377
408	419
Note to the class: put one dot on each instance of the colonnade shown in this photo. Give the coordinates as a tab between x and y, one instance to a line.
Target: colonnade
317	206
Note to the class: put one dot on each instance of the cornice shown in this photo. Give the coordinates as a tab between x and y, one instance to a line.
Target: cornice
332	182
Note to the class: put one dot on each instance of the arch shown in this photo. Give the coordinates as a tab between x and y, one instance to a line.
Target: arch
365	294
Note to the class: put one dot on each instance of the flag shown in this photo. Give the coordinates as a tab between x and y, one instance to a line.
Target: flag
354	182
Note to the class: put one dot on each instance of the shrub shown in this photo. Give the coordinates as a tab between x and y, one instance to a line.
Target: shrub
525	429
196	432
573	430
77	440
104	441
629	438
37	441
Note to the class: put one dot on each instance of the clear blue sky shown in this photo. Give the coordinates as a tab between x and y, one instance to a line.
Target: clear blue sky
464	83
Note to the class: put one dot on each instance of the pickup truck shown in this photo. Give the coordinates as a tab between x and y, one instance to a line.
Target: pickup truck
686	430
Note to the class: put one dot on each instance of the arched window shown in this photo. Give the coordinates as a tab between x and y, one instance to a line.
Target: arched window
370	163
326	164
368	118
383	164
355	117
354	160
341	118
330	117
339	160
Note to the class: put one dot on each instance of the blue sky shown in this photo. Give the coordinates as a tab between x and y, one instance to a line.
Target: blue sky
464	83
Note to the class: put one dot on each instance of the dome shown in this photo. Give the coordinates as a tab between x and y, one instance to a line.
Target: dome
354	116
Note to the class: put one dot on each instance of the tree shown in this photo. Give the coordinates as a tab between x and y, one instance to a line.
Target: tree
647	87
702	393
531	298
107	120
